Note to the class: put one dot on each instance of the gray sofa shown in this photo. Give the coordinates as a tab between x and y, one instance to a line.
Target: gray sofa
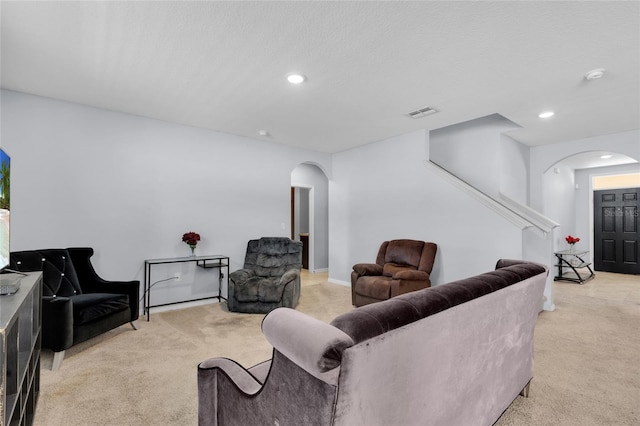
453	354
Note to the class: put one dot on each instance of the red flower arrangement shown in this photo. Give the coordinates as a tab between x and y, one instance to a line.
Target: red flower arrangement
572	240
191	238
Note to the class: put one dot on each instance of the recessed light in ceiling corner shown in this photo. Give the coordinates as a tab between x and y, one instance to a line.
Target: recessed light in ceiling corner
422	112
296	78
546	114
264	133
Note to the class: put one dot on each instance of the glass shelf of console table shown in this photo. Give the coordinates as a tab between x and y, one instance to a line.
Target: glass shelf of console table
571	265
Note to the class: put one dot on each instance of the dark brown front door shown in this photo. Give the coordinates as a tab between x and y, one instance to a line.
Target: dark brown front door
616	230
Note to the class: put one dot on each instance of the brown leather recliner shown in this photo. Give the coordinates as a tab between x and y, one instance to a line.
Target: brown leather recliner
401	266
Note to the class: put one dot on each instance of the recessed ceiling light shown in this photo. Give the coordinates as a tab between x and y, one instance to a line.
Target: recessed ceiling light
546	114
605	156
295	78
263	133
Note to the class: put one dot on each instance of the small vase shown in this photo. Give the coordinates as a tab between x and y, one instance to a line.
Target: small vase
572	248
193	249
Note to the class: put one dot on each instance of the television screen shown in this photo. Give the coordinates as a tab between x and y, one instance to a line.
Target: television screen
5	179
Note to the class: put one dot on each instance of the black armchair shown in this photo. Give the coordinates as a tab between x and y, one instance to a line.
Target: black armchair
77	303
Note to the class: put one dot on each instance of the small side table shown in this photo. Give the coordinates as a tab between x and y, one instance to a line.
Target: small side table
214	261
570	262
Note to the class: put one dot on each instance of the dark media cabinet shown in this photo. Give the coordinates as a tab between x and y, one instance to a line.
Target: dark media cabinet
20	343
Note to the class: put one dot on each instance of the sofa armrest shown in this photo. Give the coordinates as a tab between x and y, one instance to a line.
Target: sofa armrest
504	263
290	275
57	323
244	380
210	373
313	345
241	275
261	370
367	269
412	275
91	282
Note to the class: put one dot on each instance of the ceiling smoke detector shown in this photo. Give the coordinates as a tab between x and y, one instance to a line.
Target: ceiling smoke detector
594	74
422	112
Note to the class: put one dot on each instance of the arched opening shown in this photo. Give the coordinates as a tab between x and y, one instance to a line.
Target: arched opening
571	197
310	215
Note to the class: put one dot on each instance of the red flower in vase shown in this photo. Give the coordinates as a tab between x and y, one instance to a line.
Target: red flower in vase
572	240
191	238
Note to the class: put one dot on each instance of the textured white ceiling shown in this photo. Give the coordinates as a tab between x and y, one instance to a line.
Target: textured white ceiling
222	65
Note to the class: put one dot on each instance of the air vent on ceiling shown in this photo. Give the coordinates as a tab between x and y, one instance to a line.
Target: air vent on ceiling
422	112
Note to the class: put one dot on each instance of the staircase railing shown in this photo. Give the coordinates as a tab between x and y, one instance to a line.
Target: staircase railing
520	215
539	221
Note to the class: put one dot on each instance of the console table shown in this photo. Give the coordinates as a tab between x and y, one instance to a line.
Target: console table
571	262
213	261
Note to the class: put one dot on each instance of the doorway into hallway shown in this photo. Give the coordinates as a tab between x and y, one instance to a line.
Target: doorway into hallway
616	232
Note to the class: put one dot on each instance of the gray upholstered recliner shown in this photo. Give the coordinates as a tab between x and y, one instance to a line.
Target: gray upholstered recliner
270	278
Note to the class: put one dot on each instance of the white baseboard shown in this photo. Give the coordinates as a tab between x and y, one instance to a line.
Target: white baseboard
182	305
339	282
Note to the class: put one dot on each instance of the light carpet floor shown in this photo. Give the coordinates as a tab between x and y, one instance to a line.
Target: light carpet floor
586	371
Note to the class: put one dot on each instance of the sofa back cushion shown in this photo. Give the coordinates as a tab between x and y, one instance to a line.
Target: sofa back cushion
398	255
58	274
273	256
377	318
404	252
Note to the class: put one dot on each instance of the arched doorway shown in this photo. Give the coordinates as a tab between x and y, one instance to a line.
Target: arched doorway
310	214
570	197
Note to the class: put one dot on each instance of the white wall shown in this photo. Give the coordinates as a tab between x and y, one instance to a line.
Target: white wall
514	169
131	186
479	153
560	202
383	191
304	211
